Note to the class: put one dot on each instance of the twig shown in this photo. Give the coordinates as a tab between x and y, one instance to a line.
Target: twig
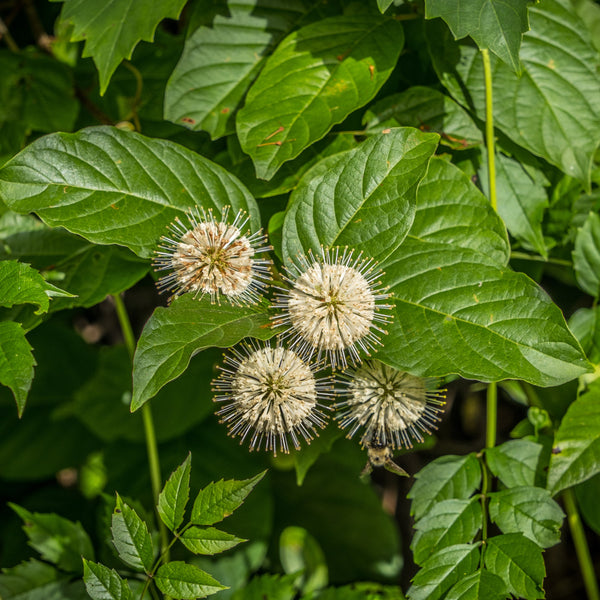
5	33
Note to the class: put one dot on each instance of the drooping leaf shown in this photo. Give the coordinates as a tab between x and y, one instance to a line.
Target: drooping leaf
117	187
576	453
314	79
185	582
208	541
494	24
426	109
57	539
448	522
218	500
527	510
553	108
131	538
586	256
481	585
33	580
442	570
220	62
112	32
16	362
516	462
103	583
174	334
444	478
517	561
174	496
364	198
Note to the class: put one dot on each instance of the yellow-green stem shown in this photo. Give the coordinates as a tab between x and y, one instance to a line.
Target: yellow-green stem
485	488
139	85
581	546
489	128
150	435
491	415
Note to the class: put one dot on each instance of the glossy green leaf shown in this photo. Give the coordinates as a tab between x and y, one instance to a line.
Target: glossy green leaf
185	582
131	538
481	585
111	34
443	570
34	580
585	325
576	453
586	256
273	587
16	362
220	62
519	562
57	539
173	335
117	187
444	478
494	24
208	541
516	462
218	500
315	78
426	109
446	523
103	583
553	108
174	496
527	510
364	198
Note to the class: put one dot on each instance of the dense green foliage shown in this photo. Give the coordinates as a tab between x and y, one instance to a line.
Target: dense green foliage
454	143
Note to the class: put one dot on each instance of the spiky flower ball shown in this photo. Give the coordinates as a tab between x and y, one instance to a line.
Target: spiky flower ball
334	306
208	256
271	394
391	407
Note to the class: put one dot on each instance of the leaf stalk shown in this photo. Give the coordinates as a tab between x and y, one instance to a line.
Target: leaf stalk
489	128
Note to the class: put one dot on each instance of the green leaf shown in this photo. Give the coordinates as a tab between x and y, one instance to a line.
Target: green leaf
516	462
208	541
553	108
57	539
585	325
494	24
175	495
517	561
586	256
16	362
207	87
383	5
443	570
524	200
576	453
481	585
103	583
447	523
364	198
426	109
131	538
111	34
307	457
315	78
33	580
446	477
185	582
173	335
530	511
588	493
273	587
218	500
117	187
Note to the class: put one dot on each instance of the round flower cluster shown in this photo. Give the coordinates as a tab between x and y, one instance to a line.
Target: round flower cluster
331	312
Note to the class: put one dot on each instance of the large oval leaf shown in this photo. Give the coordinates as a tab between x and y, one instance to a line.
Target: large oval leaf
363	198
117	187
173	335
315	78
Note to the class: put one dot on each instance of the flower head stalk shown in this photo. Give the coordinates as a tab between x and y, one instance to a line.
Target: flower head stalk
214	257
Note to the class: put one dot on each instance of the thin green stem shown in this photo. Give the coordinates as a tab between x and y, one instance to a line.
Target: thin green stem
485	488
581	546
151	444
491	415
489	128
535	258
139	85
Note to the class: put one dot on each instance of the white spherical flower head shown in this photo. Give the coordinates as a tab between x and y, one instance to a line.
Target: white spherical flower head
273	393
334	306
392	407
213	257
